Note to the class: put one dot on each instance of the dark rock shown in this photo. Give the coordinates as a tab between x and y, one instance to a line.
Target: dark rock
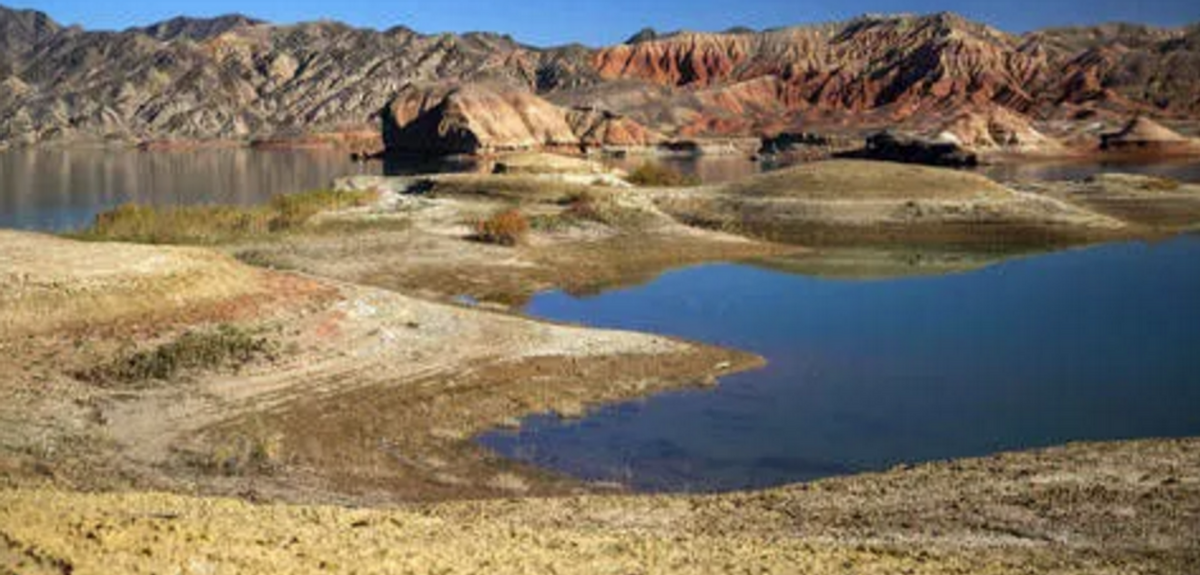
892	147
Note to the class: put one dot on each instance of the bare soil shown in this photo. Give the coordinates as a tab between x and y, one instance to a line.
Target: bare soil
1097	509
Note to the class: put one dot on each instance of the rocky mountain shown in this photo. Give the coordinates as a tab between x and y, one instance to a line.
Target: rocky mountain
234	77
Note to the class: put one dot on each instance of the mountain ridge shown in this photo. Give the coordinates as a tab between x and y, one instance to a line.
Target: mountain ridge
235	77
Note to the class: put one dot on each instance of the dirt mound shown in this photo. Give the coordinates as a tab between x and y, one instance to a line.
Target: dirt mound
854	202
1143	135
48	283
865	180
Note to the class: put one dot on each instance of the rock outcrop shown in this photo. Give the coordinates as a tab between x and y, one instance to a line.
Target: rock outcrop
473	119
445	119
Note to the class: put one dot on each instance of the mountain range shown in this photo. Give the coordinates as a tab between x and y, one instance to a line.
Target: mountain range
237	78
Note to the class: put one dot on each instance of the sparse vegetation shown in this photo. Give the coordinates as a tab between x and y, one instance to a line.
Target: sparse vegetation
226	347
589	207
658	175
507	227
218	224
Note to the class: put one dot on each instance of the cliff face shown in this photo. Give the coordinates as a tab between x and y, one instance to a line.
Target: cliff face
237	78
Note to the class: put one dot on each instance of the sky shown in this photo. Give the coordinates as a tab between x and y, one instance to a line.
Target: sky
600	22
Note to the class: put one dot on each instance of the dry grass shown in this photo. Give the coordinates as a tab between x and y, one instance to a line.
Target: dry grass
516	188
864	180
590	207
507	227
657	175
218	224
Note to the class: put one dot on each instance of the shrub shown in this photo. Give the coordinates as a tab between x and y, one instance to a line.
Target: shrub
658	175
507	228
224	347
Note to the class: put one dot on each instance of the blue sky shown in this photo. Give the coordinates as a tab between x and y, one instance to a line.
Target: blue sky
596	22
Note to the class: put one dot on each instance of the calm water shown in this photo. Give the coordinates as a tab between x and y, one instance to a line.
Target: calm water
1094	344
1184	171
59	190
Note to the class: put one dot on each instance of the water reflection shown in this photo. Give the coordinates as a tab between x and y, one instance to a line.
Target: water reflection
64	189
1181	170
888	262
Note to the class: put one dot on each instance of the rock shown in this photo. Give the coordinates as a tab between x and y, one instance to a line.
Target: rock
912	150
473	119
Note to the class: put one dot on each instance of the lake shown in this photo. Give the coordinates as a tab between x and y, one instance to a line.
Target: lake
57	190
1101	343
64	189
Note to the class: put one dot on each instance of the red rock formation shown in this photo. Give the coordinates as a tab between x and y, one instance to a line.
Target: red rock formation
909	68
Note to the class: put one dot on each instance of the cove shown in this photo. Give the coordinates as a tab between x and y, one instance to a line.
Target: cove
1098	343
